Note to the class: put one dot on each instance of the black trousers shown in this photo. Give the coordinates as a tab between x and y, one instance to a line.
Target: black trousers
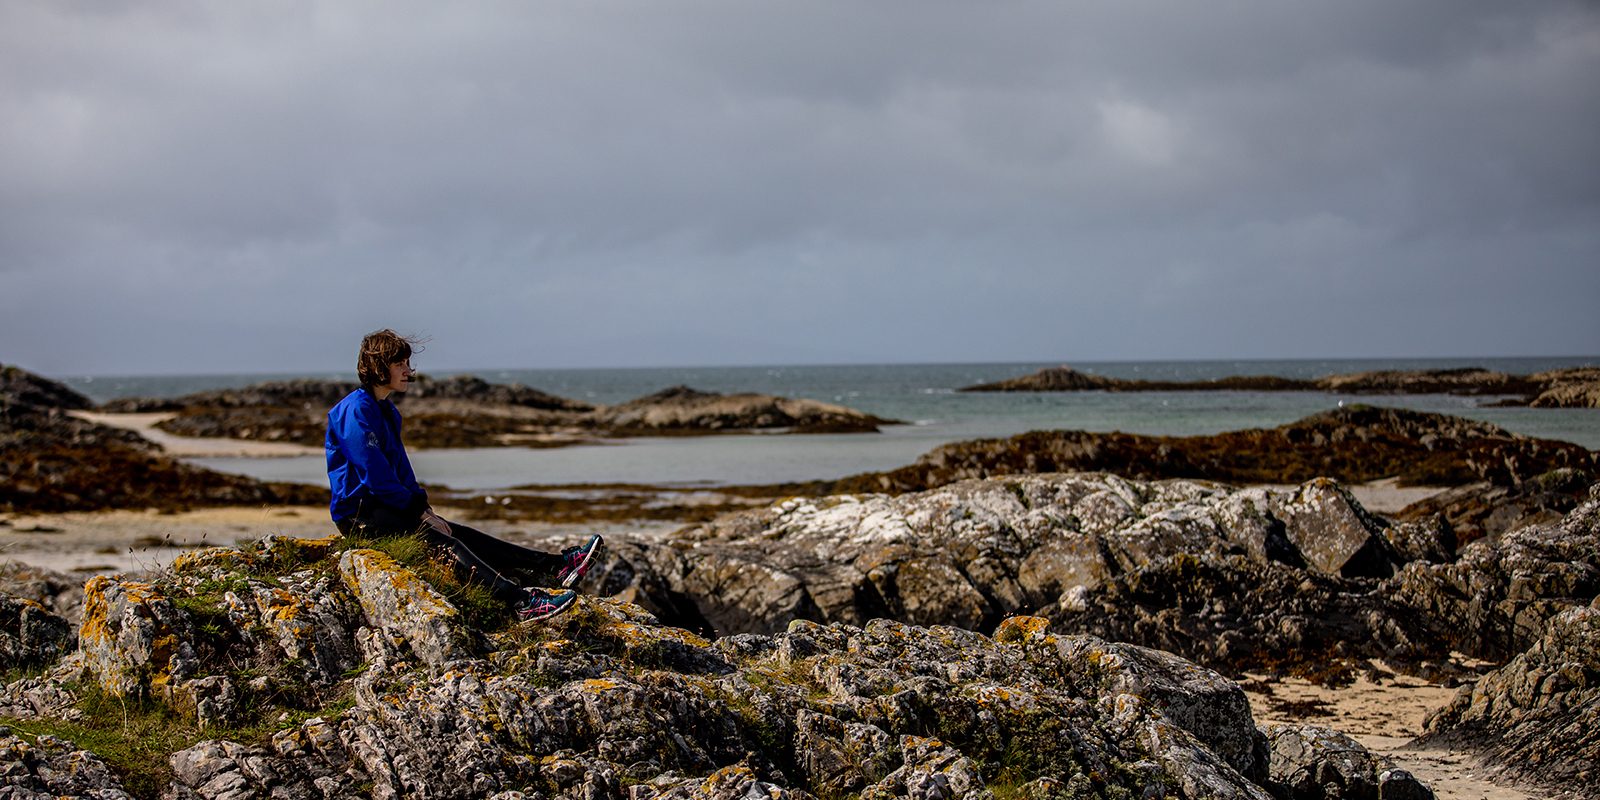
475	557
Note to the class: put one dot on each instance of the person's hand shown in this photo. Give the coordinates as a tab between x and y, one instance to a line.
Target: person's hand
436	522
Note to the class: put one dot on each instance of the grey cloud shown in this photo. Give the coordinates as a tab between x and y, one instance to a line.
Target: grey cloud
908	172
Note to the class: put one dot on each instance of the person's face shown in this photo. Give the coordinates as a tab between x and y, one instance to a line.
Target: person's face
400	374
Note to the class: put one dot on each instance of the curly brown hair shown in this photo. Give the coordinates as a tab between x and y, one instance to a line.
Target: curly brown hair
379	350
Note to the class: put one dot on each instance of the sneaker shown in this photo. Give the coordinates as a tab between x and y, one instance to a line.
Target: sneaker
578	560
544	605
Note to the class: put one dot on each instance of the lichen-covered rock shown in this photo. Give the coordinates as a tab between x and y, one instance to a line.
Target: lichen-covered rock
605	703
1314	763
1537	719
1431	540
738	782
133	639
275	607
932	771
1208	706
402	606
1205	571
59	593
48	768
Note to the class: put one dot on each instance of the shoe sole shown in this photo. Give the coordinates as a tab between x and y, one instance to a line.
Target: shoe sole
556	613
583	566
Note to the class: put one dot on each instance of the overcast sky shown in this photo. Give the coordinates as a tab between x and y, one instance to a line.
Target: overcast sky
191	187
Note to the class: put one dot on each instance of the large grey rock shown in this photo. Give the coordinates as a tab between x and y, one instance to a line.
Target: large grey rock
966	555
1232	578
1202	570
1207	705
1314	763
1334	533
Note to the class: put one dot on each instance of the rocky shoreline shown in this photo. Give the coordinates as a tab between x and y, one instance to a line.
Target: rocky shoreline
466	411
52	461
1501	479
1576	387
54	458
300	669
1059	614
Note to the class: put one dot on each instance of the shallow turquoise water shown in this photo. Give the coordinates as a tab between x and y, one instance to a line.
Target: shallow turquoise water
923	395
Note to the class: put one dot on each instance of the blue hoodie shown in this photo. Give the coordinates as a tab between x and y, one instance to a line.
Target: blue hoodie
366	461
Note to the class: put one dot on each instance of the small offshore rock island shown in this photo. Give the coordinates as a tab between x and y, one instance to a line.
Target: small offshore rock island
1057	614
1575	387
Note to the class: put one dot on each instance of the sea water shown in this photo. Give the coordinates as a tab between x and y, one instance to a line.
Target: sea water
922	396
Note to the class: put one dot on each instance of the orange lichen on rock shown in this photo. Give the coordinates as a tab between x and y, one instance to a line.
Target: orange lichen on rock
1016	630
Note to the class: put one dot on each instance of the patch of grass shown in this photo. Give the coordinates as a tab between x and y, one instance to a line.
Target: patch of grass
408	550
133	737
210	620
296	717
18	672
797	674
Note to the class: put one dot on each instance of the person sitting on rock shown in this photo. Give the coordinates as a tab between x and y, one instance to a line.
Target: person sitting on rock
375	492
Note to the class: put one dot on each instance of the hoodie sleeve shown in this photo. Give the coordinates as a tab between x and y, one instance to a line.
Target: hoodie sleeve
358	435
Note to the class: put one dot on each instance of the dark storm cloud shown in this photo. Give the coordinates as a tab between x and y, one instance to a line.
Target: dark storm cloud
189	187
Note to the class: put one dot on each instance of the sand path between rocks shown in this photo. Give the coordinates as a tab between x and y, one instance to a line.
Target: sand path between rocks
92	543
1383	717
193	446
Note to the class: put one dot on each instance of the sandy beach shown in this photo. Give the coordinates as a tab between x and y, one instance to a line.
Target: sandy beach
193	446
1384	717
91	543
107	542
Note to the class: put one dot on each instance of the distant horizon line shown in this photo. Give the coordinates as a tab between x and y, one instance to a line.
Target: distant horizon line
1063	362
